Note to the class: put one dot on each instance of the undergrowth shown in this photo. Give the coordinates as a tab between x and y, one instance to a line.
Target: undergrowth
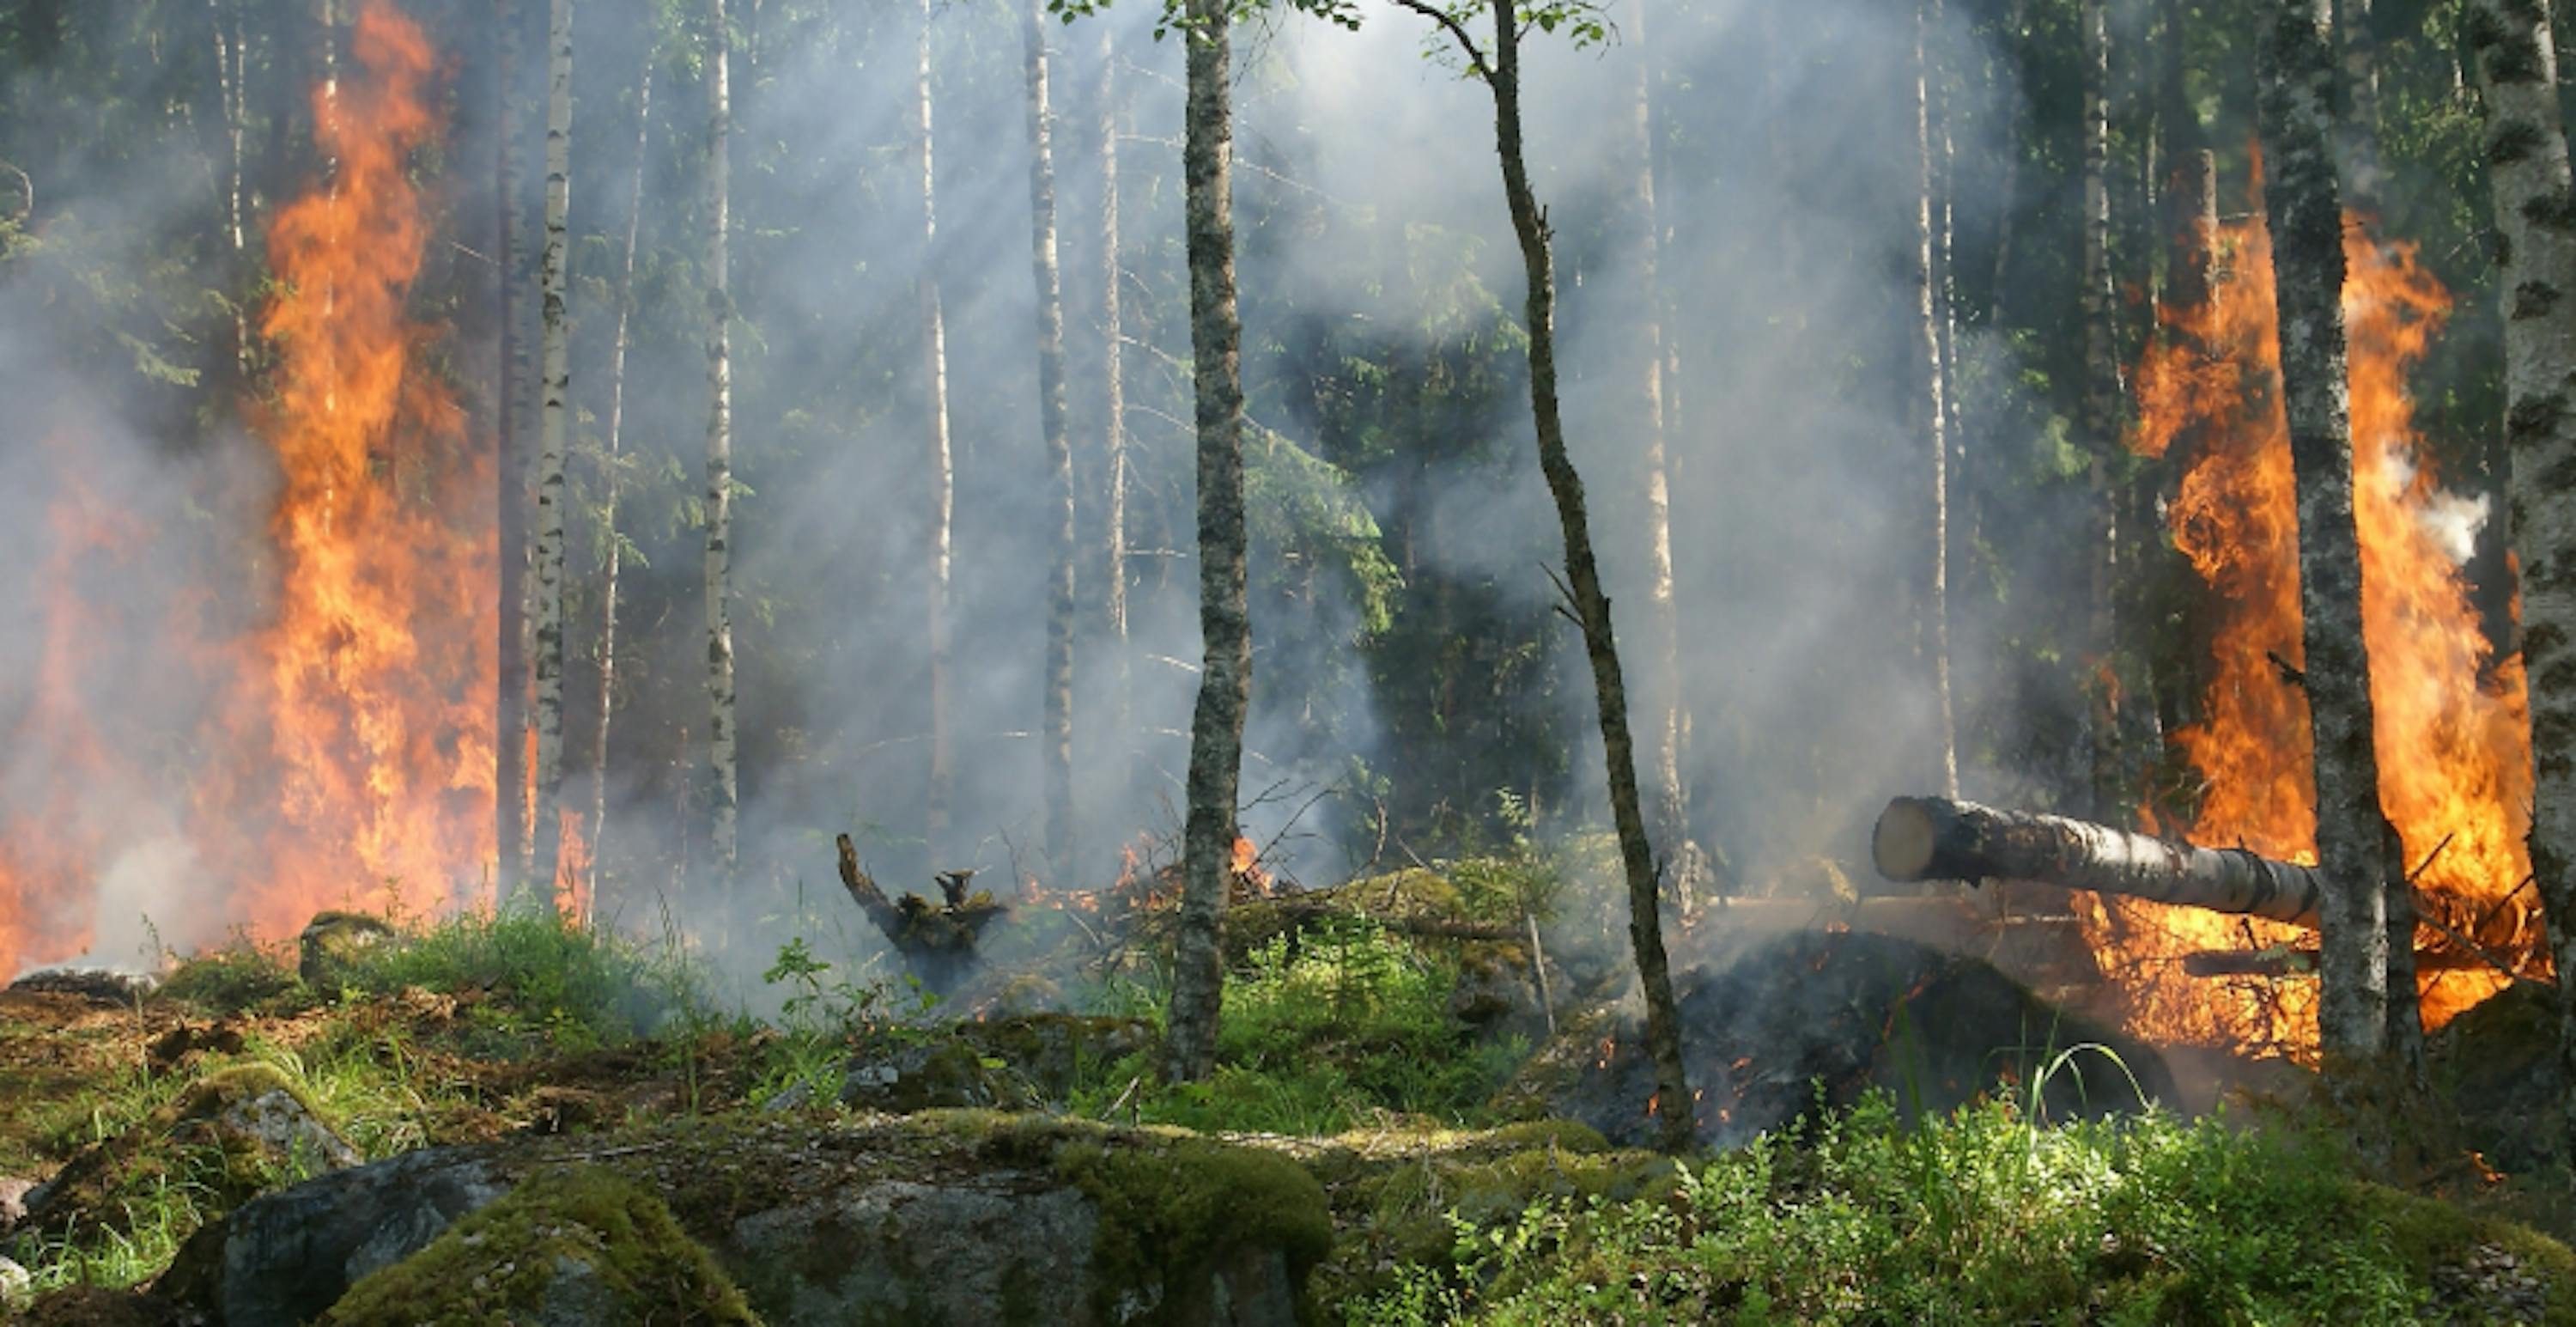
1980	1217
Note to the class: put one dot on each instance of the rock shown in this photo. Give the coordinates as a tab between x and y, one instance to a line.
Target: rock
955	1216
1048	1053
17	1287
329	941
2499	1062
13	1200
566	1249
941	1073
230	1134
289	1256
1853	1011
99	985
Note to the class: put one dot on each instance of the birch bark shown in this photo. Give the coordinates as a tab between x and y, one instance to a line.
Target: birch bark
2535	207
555	370
1056	732
724	821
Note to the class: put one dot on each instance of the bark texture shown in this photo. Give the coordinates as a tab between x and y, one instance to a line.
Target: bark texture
553	411
1671	794
1930	260
2296	79
2535	207
2357	128
1225	676
612	555
1056	728
1500	71
1113	418
510	709
725	789
2101	403
942	460
1937	838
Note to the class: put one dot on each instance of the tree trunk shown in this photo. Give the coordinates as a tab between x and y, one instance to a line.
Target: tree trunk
2296	82
1936	838
1056	738
1501	74
2357	129
724	827
2535	206
2101	410
2008	193
1113	411
555	361
510	716
1225	676
612	557
1931	307
943	468
1671	795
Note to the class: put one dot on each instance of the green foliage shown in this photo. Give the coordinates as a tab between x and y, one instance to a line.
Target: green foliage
1307	512
1322	1029
547	985
241	976
1981	1217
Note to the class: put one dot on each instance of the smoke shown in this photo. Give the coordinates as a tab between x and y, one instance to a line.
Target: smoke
1372	229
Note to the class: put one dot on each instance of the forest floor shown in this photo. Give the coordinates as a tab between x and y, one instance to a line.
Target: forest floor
1352	1065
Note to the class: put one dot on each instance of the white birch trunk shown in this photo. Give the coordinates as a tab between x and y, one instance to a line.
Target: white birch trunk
1055	742
612	556
942	461
555	371
1936	408
510	709
2535	207
723	821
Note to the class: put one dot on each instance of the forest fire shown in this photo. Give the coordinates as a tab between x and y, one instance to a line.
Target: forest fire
347	755
2454	761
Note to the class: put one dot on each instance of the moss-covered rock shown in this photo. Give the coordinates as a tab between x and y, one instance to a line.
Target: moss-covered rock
2499	1063
943	1217
575	1246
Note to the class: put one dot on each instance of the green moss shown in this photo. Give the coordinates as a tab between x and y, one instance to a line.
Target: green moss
574	1245
2425	1234
1171	1208
1567	1135
230	980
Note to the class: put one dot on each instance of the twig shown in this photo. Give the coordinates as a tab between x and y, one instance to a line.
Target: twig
1538	965
2430	858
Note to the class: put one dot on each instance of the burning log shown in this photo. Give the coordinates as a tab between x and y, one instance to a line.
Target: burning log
1934	838
936	939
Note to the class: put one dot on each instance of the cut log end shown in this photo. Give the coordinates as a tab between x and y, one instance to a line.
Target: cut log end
1902	846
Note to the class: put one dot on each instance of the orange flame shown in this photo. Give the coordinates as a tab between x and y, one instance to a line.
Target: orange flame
1247	864
2454	754
347	757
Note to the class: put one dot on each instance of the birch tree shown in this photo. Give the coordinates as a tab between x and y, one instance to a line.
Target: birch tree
941	467
724	827
1225	628
2534	195
1113	414
554	368
1056	731
1671	793
612	551
1500	71
510	708
1929	242
2101	402
2296	74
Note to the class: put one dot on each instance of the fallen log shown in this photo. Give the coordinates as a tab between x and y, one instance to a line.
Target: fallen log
1934	838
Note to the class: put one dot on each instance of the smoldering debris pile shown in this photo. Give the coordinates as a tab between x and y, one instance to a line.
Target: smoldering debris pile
1811	1015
